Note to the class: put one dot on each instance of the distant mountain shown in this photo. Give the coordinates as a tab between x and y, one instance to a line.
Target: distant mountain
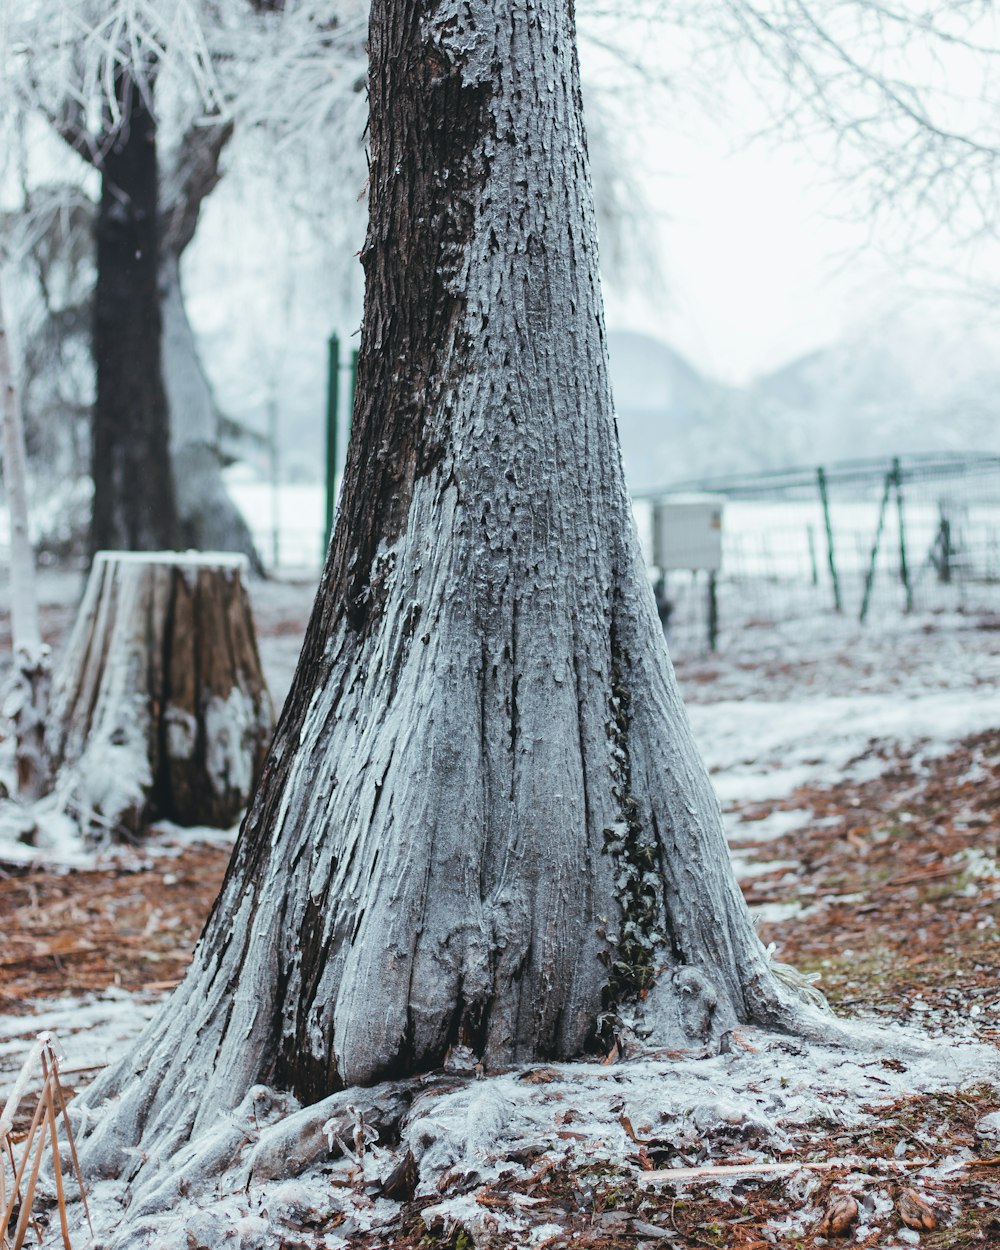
887	392
670	416
882	394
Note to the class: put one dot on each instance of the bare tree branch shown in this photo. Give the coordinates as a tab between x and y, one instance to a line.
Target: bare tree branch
183	188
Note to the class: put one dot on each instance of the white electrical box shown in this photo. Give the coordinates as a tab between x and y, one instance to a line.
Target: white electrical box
687	532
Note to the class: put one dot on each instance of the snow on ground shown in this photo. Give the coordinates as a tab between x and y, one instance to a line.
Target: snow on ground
818	700
810	704
760	750
92	1031
758	1101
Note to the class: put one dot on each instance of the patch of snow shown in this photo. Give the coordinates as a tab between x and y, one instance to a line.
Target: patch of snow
90	1031
775	1089
765	750
110	779
773	826
182	733
777	913
230	724
745	869
194	559
978	865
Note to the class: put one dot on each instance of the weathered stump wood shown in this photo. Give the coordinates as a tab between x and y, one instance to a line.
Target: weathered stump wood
159	707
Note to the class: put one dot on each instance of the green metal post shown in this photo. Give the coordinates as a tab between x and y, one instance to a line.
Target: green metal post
944	539
830	557
332	396
870	579
813	566
904	568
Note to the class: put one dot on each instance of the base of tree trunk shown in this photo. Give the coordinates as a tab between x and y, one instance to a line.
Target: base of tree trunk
159	708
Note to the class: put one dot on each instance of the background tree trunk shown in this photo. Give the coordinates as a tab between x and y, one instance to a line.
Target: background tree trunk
209	520
159	708
483	820
134	502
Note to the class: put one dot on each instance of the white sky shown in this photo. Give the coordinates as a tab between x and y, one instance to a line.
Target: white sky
761	263
757	270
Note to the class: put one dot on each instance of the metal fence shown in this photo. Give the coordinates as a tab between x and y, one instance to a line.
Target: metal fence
857	539
860	538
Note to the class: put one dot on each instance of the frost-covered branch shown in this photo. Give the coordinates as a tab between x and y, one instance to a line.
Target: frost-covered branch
184	187
907	94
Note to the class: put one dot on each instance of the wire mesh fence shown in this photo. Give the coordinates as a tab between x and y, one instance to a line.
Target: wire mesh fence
861	538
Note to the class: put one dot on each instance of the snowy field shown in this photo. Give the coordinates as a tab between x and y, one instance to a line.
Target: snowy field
821	701
793	704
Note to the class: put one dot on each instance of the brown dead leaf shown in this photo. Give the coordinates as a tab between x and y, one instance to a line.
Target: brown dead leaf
626	1124
915	1212
539	1076
840	1215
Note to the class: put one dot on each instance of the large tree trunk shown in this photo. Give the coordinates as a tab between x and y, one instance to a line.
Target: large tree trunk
134	507
159	707
483	820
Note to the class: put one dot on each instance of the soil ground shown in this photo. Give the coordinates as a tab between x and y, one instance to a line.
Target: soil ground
897	891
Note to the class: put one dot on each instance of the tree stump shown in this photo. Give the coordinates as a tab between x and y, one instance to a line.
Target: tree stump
159	707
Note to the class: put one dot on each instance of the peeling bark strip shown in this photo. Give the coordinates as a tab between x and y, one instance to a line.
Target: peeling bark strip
160	708
423	863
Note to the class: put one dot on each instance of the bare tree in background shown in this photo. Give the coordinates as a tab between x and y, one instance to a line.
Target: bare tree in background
156	461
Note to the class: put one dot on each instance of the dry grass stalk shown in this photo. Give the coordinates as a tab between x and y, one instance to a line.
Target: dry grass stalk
51	1105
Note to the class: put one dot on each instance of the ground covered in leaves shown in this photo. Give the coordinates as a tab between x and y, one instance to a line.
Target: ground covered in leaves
883	880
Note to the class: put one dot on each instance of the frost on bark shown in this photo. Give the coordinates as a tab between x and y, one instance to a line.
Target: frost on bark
134	506
159	708
483	821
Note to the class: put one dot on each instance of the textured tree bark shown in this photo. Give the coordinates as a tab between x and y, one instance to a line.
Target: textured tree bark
159	708
483	821
134	502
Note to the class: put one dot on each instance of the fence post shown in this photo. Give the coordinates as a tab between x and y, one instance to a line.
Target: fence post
332	396
713	612
831	559
944	539
870	579
904	568
813	566
275	473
